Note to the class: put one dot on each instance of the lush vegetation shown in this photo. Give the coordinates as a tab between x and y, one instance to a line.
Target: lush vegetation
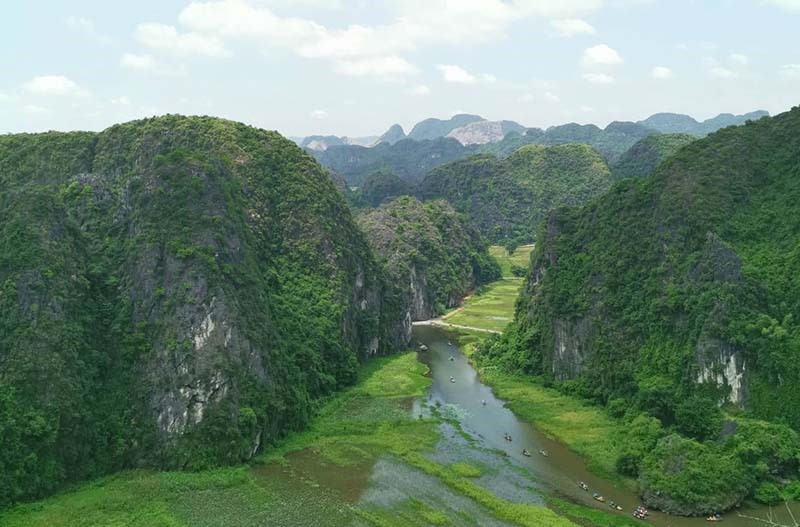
667	296
611	142
176	292
431	256
381	187
492	307
409	159
427	146
353	427
675	123
507	198
643	157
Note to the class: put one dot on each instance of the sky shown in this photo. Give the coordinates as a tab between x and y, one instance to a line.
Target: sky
354	67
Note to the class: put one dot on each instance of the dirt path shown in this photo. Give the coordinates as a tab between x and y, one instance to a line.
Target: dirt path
439	322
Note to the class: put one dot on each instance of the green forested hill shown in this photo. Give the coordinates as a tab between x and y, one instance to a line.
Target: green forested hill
175	292
643	157
408	158
507	198
432	256
611	142
380	187
672	294
675	123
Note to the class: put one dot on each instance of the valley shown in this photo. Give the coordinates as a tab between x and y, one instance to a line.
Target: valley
400	263
417	441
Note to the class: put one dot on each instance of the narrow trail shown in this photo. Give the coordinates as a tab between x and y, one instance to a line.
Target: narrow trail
439	322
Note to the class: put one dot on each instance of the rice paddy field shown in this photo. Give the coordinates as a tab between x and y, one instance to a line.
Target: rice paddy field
492	307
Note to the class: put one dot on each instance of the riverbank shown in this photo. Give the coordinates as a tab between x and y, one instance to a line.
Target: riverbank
601	439
377	454
491	308
293	484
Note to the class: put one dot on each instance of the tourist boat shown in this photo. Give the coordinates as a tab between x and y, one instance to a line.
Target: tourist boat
598	497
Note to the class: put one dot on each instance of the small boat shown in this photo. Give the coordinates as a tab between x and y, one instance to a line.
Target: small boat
598	497
449	343
525	452
483	402
423	347
613	505
544	453
452	358
583	486
640	513
507	437
452	379
714	518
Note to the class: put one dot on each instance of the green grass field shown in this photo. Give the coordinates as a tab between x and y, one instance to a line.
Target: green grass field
520	257
492	307
313	475
352	428
586	430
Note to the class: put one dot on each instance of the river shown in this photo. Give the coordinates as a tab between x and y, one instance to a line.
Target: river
560	472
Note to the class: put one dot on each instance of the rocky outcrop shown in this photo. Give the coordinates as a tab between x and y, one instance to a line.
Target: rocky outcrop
482	132
432	257
183	291
394	134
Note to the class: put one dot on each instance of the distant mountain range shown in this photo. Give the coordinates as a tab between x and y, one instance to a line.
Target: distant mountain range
323	142
676	123
433	142
470	129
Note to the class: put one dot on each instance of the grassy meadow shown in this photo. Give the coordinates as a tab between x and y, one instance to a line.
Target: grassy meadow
492	307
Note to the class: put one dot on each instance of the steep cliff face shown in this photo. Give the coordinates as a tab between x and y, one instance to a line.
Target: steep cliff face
674	295
643	157
175	293
432	257
682	284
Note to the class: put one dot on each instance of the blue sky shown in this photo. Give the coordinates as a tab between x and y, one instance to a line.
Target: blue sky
354	67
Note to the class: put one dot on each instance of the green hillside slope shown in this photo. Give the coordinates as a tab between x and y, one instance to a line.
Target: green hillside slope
175	293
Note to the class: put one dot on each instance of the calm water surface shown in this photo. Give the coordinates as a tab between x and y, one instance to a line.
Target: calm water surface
562	470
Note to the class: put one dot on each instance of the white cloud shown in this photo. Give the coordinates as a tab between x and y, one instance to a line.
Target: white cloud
331	5
587	109
721	73
661	72
420	89
569	27
415	23
600	55
4	97
138	62
54	85
792	5
121	101
148	64
32	109
387	67
526	97
487	77
166	38
598	78
552	97
79	23
85	26
457	74
559	9
319	114
740	59
790	71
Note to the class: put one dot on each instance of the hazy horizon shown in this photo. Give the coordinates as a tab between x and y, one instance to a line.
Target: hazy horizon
354	68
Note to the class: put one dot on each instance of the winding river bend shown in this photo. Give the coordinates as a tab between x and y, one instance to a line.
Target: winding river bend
560	472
